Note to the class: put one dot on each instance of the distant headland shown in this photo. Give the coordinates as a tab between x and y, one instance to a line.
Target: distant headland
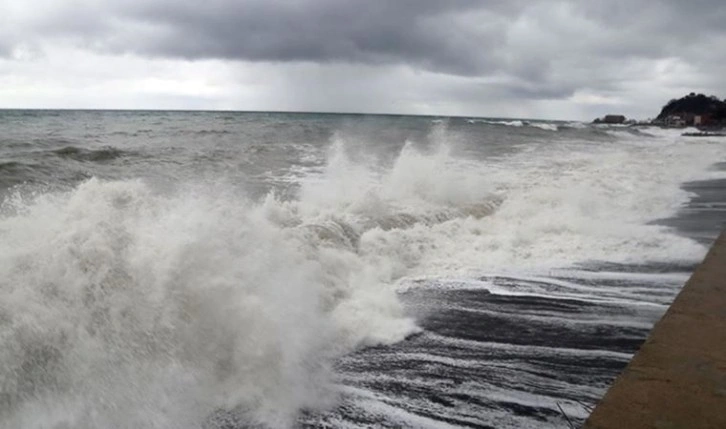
693	110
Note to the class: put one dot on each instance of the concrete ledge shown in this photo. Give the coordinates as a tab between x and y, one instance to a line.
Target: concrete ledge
678	377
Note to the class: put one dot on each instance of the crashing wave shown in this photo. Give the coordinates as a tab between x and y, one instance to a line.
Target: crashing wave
123	305
517	124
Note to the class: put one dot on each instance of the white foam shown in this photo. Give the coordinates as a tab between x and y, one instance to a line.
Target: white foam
122	306
576	125
544	126
513	123
547	126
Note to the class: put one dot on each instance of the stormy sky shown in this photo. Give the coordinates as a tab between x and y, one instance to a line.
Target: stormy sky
529	59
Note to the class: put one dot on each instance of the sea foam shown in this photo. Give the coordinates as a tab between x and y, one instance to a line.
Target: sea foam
124	305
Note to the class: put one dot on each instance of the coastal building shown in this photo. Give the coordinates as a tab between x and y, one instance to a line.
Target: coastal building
703	121
613	119
675	121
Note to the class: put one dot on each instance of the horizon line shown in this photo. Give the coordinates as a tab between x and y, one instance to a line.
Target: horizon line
309	112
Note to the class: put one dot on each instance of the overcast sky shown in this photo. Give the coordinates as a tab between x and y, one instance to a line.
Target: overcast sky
530	59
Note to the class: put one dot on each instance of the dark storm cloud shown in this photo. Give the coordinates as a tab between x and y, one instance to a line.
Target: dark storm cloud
449	36
522	49
457	37
460	37
651	29
429	34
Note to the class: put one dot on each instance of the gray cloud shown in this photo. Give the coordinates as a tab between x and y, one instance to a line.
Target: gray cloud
6	44
525	50
428	34
463	37
460	37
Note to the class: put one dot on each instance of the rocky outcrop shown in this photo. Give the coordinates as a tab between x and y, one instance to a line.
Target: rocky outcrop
695	104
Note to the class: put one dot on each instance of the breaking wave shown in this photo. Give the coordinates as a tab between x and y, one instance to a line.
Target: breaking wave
547	126
544	126
514	123
125	306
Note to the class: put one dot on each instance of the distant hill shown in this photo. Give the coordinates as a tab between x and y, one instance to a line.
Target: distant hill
695	104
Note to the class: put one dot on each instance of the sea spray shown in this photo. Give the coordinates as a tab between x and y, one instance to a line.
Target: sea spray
123	306
126	304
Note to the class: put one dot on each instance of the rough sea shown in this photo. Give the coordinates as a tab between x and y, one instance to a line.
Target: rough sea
181	270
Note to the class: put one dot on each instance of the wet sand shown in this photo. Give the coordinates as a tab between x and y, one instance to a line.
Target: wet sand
678	377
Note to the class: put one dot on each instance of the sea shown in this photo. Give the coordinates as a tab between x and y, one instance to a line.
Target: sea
168	269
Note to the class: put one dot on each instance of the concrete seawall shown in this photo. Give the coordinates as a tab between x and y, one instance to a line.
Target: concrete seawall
678	377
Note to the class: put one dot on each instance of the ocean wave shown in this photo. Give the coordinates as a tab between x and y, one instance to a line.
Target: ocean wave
91	155
10	165
213	132
347	235
517	124
134	133
544	126
172	306
179	305
576	125
14	173
514	123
